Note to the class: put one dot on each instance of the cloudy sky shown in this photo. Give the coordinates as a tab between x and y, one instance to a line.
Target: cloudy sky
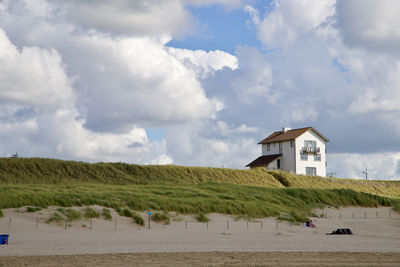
200	82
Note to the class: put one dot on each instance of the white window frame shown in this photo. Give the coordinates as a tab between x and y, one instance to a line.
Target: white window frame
311	171
303	156
317	157
310	143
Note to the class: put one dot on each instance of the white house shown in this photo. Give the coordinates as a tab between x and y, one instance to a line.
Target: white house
300	151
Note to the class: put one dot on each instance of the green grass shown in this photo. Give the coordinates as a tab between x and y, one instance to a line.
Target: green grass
106	214
187	190
33	209
161	217
71	214
90	213
55	217
138	219
52	171
202	218
255	201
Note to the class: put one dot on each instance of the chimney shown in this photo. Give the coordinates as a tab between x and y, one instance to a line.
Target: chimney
285	129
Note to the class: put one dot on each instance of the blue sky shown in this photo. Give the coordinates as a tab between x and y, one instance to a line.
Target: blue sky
200	82
219	29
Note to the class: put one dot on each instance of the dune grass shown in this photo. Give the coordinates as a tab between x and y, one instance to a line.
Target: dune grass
254	201
127	188
52	171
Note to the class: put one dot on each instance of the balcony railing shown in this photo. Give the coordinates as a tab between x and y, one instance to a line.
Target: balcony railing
310	149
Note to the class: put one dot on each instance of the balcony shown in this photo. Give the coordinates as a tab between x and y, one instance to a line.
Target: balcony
310	149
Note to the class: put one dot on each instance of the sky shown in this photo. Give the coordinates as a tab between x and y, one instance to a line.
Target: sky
200	82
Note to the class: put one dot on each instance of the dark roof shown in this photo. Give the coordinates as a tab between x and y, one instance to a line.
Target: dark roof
289	135
263	160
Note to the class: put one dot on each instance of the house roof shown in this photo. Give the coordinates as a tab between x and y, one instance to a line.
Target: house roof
263	160
289	135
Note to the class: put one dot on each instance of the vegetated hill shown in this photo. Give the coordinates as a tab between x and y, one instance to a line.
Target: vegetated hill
294	204
52	171
188	190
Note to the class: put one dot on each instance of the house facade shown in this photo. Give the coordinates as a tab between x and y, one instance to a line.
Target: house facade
300	151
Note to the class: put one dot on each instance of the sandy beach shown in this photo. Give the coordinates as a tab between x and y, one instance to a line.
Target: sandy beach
225	240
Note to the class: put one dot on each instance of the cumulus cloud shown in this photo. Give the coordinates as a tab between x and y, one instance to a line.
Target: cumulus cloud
33	77
370	24
124	85
380	166
204	63
226	3
211	143
38	117
130	17
288	20
104	86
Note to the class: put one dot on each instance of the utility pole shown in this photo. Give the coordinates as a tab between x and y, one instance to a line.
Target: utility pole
366	174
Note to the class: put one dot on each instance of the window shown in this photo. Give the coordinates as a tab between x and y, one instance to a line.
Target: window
303	156
268	147
311	171
280	147
292	143
317	157
308	143
278	164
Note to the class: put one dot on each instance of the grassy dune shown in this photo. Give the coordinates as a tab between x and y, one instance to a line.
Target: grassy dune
188	190
52	171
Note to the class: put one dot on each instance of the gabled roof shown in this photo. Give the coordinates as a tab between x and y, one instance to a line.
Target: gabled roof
263	160
289	135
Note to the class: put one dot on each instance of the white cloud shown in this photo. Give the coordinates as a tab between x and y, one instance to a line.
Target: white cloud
33	77
252	81
290	19
370	24
147	83
204	63
228	130
380	166
226	3
209	144
130	17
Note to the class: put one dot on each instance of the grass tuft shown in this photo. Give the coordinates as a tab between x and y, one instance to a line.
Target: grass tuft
161	217
89	213
55	217
33	209
202	218
71	214
138	219
106	214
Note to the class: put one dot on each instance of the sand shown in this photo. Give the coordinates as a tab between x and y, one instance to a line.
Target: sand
224	241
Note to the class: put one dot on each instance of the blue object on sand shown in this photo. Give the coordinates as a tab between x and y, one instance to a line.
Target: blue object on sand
4	239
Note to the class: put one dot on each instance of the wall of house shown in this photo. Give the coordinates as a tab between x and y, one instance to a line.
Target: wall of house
302	164
287	159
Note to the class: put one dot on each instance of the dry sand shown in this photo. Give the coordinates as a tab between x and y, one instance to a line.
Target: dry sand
376	241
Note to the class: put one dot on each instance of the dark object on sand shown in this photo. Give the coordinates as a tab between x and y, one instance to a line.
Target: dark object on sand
341	231
4	239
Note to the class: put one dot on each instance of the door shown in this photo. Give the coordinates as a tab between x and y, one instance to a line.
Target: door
278	164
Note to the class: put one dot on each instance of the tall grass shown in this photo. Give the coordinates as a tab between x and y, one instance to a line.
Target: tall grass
255	201
52	171
189	190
